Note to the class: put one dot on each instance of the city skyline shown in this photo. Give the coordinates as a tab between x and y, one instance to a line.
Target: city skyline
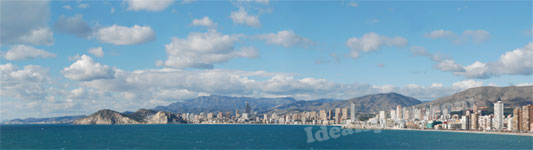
76	57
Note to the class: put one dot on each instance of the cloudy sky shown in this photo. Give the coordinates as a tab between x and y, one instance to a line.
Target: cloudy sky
76	57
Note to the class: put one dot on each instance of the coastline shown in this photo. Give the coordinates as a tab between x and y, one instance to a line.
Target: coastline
461	131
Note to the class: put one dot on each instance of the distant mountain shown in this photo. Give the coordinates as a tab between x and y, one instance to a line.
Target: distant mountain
511	96
216	103
53	120
142	116
367	104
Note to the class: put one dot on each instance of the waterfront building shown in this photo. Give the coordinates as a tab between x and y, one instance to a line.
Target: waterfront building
323	115
393	115
517	117
352	113
474	124
338	115
399	112
219	115
498	115
382	118
209	115
527	118
345	113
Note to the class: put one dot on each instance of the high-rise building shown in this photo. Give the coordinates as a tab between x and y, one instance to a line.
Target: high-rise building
323	115
527	118
338	115
345	113
498	115
475	108
393	115
219	115
517	119
382	118
209	115
399	112
352	112
474	121
248	109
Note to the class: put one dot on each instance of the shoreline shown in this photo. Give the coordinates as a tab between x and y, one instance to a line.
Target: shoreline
462	131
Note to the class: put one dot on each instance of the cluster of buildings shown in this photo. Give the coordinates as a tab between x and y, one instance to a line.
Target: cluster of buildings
520	120
429	117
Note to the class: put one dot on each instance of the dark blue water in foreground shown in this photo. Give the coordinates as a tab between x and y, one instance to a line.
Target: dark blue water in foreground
239	137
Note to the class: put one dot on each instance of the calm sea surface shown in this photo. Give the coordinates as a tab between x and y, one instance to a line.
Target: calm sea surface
239	137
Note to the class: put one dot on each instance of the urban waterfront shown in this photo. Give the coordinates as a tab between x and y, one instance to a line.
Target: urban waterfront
172	136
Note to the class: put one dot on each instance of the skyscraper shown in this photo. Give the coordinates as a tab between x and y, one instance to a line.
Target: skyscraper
337	115
498	115
345	113
352	113
247	108
323	115
399	112
517	119
474	120
527	114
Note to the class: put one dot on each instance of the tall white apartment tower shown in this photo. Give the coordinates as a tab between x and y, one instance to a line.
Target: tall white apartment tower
352	112
498	115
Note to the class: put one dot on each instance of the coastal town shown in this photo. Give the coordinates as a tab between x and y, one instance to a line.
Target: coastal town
436	118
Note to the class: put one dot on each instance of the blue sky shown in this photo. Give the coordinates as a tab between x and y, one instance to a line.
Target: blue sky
149	53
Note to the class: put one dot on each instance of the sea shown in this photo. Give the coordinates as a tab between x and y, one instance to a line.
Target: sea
188	136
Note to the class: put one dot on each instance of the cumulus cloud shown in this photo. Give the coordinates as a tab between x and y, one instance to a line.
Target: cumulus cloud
202	50
29	26
515	62
73	25
39	36
204	21
466	84
26	83
97	52
286	38
476	36
372	42
151	5
20	52
85	69
242	17
121	35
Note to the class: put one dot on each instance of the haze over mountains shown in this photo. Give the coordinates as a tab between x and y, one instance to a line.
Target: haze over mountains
482	96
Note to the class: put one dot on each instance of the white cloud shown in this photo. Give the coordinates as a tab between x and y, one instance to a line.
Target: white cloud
476	36
83	5
120	35
242	17
515	62
97	52
19	52
85	69
148	5
26	83
466	84
39	36
372	42
74	25
202	50
286	38
264	2
28	26
204	21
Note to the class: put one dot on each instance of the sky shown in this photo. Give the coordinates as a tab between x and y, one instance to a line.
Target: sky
62	58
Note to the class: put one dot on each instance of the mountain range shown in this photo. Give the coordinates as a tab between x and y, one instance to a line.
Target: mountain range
511	96
481	96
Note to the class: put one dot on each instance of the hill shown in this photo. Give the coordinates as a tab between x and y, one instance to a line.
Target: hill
216	103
